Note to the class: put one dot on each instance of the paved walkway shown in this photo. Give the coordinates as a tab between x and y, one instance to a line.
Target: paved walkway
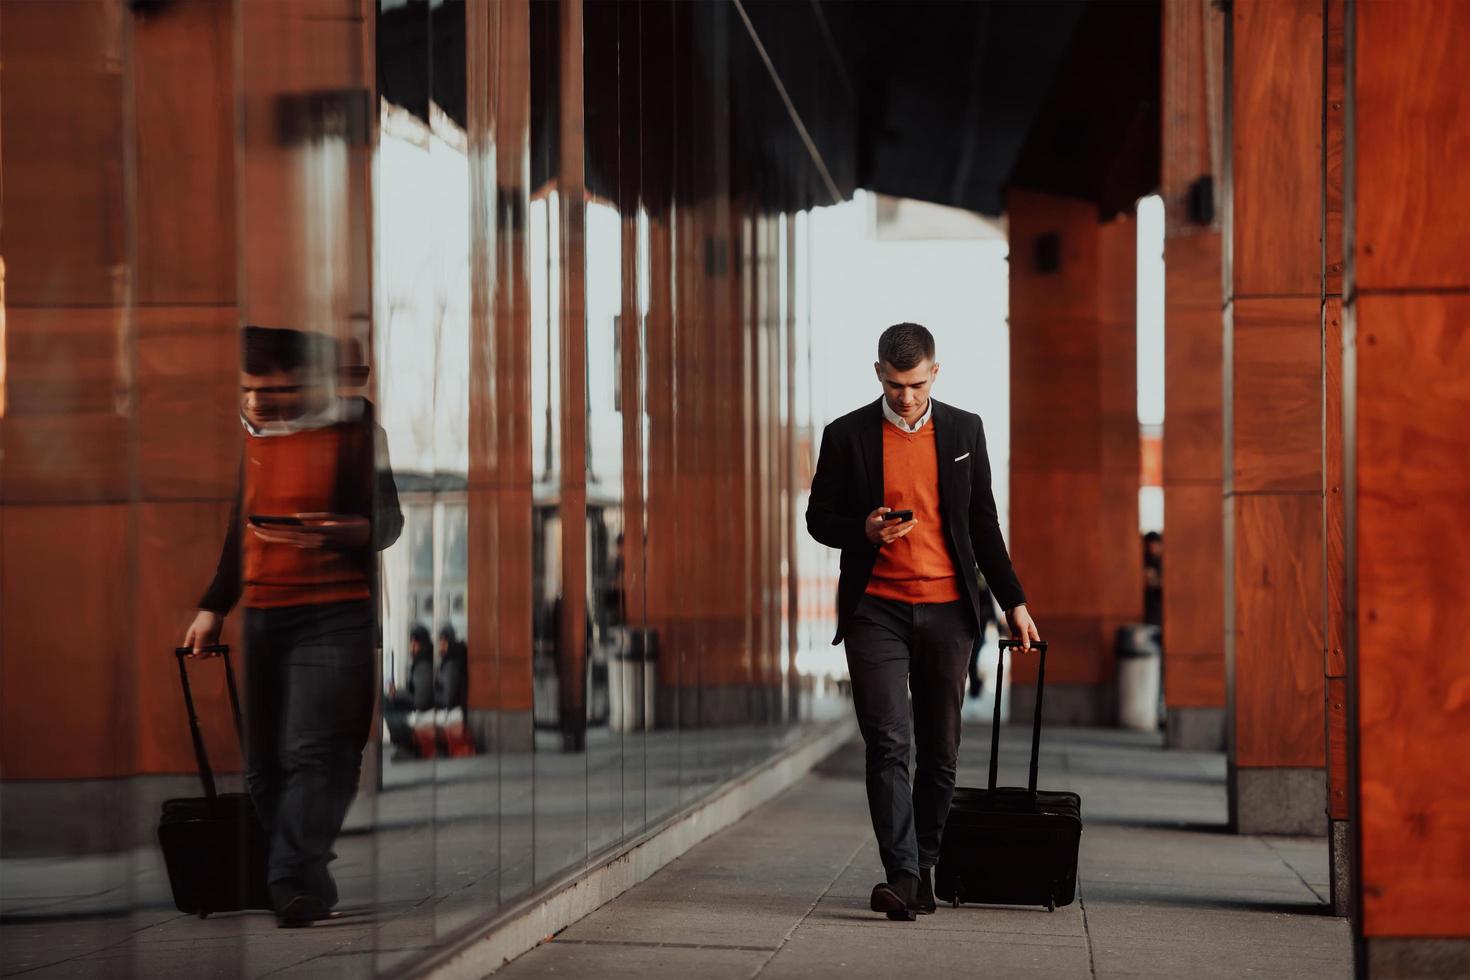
1164	892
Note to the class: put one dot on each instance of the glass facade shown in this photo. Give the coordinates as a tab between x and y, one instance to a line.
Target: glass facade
533	284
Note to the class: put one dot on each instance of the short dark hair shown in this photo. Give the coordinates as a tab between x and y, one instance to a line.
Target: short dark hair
905	345
267	349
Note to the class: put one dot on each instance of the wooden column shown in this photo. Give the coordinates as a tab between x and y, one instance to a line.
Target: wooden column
1339	784
572	184
1273	491
1074	446
67	426
118	419
1406	362
1194	592
500	524
514	377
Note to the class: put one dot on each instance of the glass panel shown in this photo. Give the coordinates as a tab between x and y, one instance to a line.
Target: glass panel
518	306
558	595
571	295
407	342
608	686
663	592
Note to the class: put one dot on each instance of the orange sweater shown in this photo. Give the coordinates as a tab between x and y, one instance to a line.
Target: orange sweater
916	568
295	474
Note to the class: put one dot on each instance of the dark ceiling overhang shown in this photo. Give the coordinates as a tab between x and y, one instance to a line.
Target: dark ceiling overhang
940	100
958	101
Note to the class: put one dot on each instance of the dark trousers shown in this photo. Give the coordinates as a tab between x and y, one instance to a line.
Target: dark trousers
308	709
894	648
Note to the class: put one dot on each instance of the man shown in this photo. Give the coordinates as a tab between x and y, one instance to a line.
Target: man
300	552
908	602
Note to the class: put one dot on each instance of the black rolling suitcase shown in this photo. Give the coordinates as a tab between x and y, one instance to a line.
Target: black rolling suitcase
214	846
1008	845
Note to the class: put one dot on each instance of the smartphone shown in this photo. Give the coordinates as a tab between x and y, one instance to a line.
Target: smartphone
268	520
899	515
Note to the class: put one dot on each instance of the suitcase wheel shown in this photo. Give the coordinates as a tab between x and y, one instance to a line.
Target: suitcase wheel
203	914
1051	903
954	903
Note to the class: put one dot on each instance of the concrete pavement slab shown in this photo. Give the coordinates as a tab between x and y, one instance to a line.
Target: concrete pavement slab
1164	890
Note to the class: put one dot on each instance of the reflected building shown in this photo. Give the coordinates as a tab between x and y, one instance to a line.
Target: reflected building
563	249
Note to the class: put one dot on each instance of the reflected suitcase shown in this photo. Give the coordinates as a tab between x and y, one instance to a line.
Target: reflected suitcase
1009	845
213	846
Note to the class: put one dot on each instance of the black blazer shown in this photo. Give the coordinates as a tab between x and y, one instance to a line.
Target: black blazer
848	486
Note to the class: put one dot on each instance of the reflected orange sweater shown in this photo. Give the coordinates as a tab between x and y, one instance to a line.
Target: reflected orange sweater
916	568
295	474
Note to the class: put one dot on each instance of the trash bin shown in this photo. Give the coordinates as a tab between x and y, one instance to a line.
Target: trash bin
1139	654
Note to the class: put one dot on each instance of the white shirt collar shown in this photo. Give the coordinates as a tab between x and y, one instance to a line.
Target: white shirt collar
896	419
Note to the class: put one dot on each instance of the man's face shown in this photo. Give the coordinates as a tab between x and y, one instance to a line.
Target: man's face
907	392
277	397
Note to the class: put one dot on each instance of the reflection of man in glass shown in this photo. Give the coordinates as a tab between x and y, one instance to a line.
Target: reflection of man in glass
300	555
908	600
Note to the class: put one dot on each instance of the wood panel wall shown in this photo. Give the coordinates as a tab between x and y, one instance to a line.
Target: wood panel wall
1274	407
1333	555
1194	591
571	647
1074	441
500	572
1408	338
119	427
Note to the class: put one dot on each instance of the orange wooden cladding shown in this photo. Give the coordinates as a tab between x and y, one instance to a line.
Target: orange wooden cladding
66	670
64	234
1194	590
1333	501
134	404
1074	433
177	548
1278	634
1338	783
482	503
64	435
1193	55
304	225
1276	151
571	157
1334	115
1412	462
1274	321
1193	466
1193	356
188	415
512	345
1412	141
499	628
1277	395
185	146
1413	566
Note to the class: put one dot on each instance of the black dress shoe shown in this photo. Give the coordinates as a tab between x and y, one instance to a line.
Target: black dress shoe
896	898
294	907
925	904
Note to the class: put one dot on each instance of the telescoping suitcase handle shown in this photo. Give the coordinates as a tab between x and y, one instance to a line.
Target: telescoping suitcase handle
206	774
1000	673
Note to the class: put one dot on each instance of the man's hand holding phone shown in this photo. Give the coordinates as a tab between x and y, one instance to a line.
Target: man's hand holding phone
886	525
